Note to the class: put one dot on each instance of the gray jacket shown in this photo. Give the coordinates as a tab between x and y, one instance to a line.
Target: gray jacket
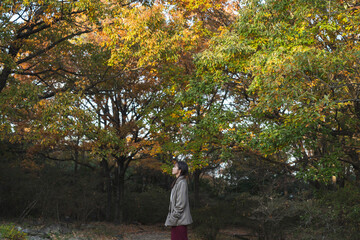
179	209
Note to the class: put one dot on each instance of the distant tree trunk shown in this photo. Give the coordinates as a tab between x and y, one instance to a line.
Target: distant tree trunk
120	182
355	159
197	187
76	157
285	186
108	188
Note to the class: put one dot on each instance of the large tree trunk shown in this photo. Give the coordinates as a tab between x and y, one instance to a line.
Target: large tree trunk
14	49
197	187
4	77
108	189
120	182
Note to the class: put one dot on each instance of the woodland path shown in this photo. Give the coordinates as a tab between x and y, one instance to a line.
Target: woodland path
107	231
149	236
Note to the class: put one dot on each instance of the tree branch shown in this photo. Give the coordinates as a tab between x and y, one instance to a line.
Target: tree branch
67	160
51	46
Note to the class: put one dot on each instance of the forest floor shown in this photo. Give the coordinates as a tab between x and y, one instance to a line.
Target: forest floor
38	230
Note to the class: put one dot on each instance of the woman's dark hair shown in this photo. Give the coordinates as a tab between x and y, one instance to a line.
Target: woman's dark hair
183	167
184	170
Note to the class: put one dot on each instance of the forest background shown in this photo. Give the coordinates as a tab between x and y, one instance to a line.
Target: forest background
260	98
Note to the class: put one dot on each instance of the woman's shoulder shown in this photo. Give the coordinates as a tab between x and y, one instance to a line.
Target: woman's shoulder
181	181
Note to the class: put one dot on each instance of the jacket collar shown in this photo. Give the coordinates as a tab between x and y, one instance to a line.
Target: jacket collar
180	178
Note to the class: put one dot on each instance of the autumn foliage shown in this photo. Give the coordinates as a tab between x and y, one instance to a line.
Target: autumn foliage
114	87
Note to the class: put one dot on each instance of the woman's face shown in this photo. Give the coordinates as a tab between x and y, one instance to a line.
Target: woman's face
176	170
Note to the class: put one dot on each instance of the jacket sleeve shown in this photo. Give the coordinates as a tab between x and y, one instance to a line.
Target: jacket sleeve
180	200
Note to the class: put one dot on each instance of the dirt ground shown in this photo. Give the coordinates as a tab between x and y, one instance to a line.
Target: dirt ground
223	235
108	231
162	233
141	232
155	232
149	236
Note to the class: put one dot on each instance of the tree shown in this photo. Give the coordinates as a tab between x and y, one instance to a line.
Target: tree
31	29
292	65
122	133
163	38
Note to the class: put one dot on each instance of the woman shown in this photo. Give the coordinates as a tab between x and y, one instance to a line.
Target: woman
179	210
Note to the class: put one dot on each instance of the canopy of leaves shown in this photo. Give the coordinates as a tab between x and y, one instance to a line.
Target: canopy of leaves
294	70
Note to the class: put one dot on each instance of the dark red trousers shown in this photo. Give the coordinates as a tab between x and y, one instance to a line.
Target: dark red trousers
179	233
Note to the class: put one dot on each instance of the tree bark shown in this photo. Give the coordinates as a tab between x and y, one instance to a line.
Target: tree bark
108	189
120	181
4	77
197	187
14	49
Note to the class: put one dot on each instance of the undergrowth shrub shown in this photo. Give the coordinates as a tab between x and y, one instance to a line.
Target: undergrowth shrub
10	232
233	211
148	207
274	215
331	215
207	222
